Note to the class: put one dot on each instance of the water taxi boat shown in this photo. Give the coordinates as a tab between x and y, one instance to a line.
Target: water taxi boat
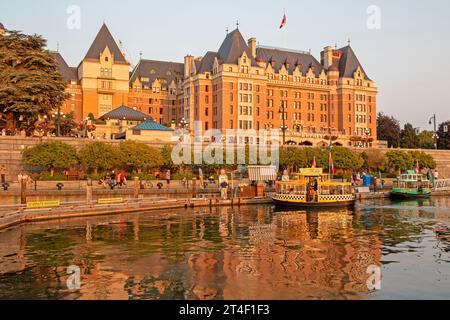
311	188
411	185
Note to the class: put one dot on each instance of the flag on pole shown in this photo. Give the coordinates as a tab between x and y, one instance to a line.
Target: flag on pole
314	164
283	23
331	165
417	167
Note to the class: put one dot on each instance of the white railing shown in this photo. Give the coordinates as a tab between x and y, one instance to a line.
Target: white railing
442	185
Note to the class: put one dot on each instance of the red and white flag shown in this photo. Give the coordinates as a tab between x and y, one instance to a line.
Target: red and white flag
283	23
418	167
331	165
314	163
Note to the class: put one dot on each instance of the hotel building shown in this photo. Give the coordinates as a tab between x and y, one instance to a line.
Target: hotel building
240	86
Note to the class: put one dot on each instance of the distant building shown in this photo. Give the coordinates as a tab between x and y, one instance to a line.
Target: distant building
241	86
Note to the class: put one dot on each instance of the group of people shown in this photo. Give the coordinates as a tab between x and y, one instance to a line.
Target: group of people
113	180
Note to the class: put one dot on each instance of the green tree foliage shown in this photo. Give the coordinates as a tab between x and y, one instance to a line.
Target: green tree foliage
399	160
294	158
425	160
98	156
388	129
426	140
30	82
137	156
402	160
344	159
444	136
374	160
52	155
67	124
408	137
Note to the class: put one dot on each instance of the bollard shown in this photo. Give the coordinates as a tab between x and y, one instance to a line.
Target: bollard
136	188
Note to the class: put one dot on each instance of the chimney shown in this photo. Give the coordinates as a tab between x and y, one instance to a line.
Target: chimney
252	46
188	61
328	57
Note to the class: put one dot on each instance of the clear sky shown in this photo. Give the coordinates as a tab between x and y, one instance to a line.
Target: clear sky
409	57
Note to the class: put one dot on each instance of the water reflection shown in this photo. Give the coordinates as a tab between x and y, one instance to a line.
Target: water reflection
228	253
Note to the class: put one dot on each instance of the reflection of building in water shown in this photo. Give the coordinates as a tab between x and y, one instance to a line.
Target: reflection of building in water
242	254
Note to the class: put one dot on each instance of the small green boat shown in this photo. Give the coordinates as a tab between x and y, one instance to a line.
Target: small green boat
411	185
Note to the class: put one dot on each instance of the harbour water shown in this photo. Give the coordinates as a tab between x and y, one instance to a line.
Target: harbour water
253	252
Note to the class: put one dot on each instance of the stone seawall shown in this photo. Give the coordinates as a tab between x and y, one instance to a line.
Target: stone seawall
11	152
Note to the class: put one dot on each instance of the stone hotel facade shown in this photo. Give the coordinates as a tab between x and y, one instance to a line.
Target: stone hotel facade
240	86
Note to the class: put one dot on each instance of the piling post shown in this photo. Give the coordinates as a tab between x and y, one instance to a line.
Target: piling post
194	188
136	188
23	191
89	192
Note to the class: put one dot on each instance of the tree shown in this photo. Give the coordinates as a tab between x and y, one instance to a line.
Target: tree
409	138
295	158
97	156
425	160
31	85
388	129
399	160
52	155
374	159
345	159
137	156
444	136
67	124
426	140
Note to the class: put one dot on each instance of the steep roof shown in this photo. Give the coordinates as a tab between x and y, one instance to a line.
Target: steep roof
233	47
68	73
207	62
105	39
151	126
162	70
293	58
349	63
125	113
2	27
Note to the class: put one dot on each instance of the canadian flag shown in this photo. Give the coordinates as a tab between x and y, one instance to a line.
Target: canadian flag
314	163
418	167
283	23
331	165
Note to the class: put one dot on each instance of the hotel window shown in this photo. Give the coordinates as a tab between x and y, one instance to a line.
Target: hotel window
231	124
206	112
231	109
257	88
161	111
231	86
206	126
207	88
257	111
231	97
207	99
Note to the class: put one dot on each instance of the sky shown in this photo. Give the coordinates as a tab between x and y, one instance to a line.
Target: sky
407	54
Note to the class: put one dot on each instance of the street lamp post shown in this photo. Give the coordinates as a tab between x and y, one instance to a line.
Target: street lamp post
284	127
183	124
433	120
